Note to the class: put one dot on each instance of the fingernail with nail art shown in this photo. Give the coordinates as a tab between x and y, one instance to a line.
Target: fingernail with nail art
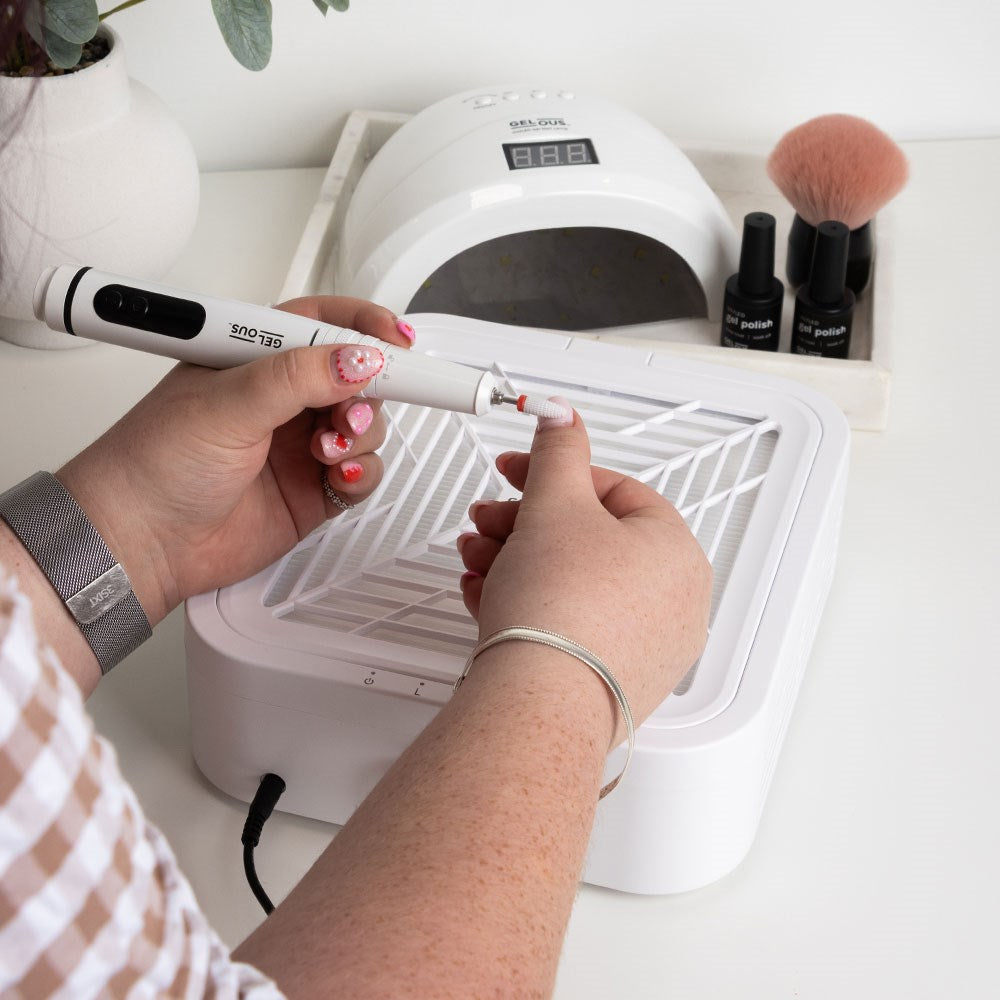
406	330
356	363
334	444
360	417
352	471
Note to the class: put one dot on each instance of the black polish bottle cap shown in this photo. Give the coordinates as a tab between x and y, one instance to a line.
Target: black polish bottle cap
757	255
828	277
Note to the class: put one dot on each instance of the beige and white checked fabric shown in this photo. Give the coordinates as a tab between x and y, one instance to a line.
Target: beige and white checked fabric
92	902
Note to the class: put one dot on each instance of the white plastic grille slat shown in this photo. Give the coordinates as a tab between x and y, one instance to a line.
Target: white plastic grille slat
404	454
689	479
345	529
742	486
750	439
418	418
459	480
389	522
428	495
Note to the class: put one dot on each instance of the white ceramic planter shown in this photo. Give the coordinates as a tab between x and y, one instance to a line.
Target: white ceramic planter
93	170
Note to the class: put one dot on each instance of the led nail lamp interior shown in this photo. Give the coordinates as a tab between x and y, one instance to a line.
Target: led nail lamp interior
325	666
538	208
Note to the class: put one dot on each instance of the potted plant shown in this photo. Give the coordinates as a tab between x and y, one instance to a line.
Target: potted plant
93	168
49	37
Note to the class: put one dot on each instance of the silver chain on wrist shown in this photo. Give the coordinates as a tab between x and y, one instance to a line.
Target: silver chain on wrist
542	636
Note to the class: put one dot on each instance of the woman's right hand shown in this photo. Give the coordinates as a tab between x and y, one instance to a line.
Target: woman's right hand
593	555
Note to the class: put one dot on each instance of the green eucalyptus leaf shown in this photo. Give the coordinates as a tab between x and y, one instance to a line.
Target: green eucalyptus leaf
246	27
73	20
321	6
340	5
63	53
33	21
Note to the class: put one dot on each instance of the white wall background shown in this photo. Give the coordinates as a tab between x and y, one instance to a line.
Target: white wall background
739	71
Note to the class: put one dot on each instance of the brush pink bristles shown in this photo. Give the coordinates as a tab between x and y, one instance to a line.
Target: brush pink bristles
544	408
837	167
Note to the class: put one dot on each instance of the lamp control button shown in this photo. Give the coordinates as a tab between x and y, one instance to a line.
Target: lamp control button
567	95
482	102
138	305
512	95
406	686
539	94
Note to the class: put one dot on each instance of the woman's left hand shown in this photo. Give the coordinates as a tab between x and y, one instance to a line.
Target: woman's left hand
215	474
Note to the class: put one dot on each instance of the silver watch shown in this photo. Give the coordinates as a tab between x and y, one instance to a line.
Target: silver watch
71	553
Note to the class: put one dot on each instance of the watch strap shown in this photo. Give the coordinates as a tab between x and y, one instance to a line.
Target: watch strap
70	551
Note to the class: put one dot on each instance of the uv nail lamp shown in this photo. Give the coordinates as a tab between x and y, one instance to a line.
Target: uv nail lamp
325	666
537	208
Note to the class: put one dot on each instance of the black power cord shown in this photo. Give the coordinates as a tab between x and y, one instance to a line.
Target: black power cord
271	787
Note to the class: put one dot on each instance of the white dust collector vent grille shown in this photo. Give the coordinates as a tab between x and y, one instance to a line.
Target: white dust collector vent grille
389	570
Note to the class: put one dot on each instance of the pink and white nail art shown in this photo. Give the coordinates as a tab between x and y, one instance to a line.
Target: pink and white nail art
360	417
406	330
357	363
334	444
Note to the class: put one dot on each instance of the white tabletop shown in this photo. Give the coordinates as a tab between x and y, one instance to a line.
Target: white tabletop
875	872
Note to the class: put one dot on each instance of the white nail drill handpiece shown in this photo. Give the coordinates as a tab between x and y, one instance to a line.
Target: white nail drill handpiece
221	333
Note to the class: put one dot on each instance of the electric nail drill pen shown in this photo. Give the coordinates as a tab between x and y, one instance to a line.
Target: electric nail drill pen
220	333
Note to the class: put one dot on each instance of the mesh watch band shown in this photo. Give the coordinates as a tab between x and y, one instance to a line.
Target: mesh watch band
67	547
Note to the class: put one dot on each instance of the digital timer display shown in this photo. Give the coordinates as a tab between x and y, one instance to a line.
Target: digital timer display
565	153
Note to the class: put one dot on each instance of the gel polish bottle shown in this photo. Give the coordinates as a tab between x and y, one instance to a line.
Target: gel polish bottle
824	308
751	309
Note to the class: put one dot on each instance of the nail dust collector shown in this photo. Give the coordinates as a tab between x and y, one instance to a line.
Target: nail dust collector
536	208
324	667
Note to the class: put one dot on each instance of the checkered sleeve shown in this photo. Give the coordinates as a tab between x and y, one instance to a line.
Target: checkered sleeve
92	902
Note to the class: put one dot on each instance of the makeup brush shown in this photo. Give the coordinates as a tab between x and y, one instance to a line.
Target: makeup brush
836	167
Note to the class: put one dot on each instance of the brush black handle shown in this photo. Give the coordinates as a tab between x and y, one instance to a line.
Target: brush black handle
802	243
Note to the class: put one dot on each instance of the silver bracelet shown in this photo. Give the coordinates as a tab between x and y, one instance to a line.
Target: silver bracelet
556	641
95	588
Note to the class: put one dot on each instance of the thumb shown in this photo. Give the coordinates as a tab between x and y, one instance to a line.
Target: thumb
255	398
560	459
